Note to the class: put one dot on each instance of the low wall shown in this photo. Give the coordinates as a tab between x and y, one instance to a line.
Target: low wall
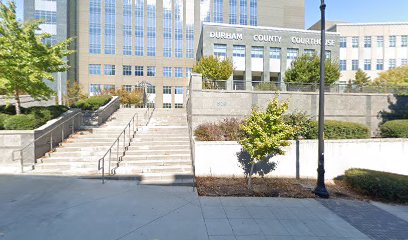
96	118
19	144
27	101
219	159
216	105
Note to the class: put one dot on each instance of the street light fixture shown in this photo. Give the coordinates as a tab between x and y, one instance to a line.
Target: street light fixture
320	189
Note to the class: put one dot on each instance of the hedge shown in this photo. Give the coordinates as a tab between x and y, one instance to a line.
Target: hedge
3	117
92	103
340	130
395	129
226	130
380	185
22	122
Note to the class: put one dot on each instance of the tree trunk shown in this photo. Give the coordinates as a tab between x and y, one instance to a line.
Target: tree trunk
18	103
250	176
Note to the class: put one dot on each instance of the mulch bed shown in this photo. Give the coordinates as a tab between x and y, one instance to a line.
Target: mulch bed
272	187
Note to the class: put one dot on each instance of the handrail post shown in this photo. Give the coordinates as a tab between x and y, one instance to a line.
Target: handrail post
129	133
124	142
110	156
22	161
63	135
51	143
103	170
117	151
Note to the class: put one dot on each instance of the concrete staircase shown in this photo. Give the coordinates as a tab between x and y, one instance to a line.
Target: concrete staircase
79	154
160	152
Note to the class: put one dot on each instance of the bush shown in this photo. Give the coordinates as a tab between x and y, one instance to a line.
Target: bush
10	109
93	103
381	185
395	129
3	117
301	123
226	130
266	86
22	122
340	130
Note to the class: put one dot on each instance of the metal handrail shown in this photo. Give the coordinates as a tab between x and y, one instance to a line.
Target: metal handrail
101	161
42	136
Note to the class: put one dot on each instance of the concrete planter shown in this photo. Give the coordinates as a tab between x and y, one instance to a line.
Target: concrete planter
17	145
219	159
96	118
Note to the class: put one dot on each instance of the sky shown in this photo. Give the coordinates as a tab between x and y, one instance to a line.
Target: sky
340	10
360	11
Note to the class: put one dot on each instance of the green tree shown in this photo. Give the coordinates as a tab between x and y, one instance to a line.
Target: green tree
74	93
361	77
306	69
24	60
266	133
397	77
213	68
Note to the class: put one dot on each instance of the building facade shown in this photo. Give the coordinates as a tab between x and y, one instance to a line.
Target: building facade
59	20
371	47
262	54
129	43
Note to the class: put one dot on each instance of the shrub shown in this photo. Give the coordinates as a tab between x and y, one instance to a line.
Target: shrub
10	109
93	103
22	122
382	185
3	117
395	129
226	130
340	130
301	123
266	86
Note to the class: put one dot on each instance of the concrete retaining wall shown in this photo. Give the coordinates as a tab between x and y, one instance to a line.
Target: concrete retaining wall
215	105
390	155
96	118
19	144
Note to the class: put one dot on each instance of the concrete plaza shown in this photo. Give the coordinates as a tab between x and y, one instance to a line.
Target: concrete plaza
41	208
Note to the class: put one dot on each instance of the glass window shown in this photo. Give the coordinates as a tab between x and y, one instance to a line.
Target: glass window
218	11
151	71
52	40
151	28
404	61
367	42
354	65
166	105
190	53
253	11
178	90
110	26
127	70
178	72
166	90
404	41
343	65
178	105
354	42
95	29
393	41
167	72
233	12
138	70
292	53
343	42
95	89
367	64
257	52
238	51
328	54
188	72
309	52
167	28
127	88
205	10
151	90
94	69
243	12
392	63
139	27
127	27
108	87
48	17
109	69
275	53
178	28
380	64
380	41
220	50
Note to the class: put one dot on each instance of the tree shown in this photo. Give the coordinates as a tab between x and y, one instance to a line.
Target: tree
306	69
25	62
361	77
213	68
265	134
397	77
74	93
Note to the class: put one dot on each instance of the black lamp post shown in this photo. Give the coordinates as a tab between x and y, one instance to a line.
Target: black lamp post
320	189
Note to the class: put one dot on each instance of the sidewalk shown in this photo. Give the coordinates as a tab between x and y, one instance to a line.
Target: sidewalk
42	208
